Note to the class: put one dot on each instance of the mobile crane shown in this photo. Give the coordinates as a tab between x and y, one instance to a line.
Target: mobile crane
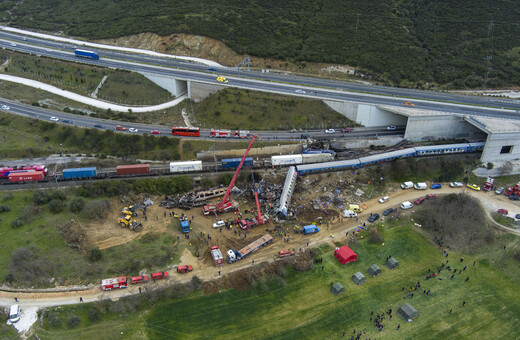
227	205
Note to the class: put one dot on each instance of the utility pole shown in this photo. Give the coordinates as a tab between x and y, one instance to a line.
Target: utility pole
357	22
490	56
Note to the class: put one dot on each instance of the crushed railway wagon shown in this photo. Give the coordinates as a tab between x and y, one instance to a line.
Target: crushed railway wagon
188	166
301	159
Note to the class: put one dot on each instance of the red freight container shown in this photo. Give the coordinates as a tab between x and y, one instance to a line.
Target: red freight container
133	169
29	176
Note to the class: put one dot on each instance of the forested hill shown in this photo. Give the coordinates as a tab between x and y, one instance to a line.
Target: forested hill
455	43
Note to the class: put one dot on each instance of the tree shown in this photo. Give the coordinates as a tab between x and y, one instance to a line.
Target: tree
56	206
94	255
76	205
41	197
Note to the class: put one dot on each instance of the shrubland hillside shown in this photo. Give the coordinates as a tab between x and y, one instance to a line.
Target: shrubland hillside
417	43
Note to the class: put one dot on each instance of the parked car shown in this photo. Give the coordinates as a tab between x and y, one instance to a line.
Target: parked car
517	216
299	91
120	128
155	132
419	200
391	128
184	268
473	186
5	107
514	197
286	252
499	191
14	313
159	275
431	196
54	119
503	211
435	186
388	211
373	218
134	130
406	205
330	131
98	126
219	224
384	199
346	130
139	279
410	104
66	121
456	184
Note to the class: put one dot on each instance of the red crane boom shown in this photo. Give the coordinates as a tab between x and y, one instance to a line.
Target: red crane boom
226	205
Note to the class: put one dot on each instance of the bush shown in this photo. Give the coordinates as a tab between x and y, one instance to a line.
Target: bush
93	314
73	321
7	197
96	209
56	206
76	205
94	255
41	197
490	165
58	195
17	223
375	236
4	208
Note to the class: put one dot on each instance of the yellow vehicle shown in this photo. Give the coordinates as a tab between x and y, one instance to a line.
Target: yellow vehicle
410	104
473	186
355	208
222	79
128	222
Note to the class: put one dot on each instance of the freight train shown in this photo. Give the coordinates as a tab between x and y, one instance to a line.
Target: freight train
305	164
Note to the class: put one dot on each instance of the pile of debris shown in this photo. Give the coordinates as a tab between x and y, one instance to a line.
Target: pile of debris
192	199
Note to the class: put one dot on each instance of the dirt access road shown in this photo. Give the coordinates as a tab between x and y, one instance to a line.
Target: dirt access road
205	270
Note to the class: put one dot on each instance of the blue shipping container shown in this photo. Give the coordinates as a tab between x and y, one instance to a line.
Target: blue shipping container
232	163
79	173
86	54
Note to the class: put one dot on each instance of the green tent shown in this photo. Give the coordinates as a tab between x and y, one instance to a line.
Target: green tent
374	270
337	289
407	312
392	263
358	278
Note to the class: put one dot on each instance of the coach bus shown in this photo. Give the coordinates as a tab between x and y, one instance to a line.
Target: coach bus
186	131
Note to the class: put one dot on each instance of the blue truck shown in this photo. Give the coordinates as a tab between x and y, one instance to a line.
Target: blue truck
79	173
233	163
86	54
310	229
185	226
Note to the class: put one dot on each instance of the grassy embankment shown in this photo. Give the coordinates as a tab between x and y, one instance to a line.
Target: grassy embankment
300	305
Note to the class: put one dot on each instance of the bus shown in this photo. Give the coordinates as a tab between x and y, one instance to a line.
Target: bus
186	131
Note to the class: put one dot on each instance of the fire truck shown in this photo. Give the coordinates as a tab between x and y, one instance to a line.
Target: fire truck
218	259
241	134
115	283
220	133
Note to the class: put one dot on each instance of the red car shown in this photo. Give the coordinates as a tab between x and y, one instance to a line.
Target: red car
121	128
155	132
286	252
159	275
139	279
431	196
184	269
419	200
503	211
346	129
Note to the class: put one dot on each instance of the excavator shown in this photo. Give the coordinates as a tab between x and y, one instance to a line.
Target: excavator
130	210
227	205
128	222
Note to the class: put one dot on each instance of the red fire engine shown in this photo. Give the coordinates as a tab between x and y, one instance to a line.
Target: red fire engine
115	283
220	133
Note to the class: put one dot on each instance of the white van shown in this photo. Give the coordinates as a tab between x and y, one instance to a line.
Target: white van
406	205
407	185
420	186
219	224
14	313
349	213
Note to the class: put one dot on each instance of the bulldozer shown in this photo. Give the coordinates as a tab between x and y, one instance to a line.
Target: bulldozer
129	211
128	222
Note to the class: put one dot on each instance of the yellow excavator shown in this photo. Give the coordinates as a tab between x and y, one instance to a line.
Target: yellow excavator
128	222
129	211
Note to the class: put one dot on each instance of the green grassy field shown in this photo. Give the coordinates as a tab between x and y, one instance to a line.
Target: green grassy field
121	87
42	234
243	109
301	305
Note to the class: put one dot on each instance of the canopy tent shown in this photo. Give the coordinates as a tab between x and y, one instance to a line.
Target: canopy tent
392	263
374	270
337	289
358	278
345	255
407	312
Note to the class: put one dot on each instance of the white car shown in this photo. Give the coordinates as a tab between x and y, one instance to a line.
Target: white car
330	131
134	130
384	199
13	44
299	91
391	128
456	184
54	119
219	224
5	107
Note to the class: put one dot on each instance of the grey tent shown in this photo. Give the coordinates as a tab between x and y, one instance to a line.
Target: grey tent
392	263
407	312
374	270
358	278
337	289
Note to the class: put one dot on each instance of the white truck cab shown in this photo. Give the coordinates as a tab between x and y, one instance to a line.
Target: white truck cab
14	313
